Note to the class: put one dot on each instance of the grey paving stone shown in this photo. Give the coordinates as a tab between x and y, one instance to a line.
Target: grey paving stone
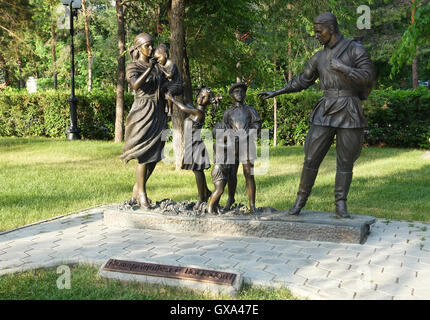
292	256
273	261
315	251
408	297
247	265
262	253
337	293
281	270
233	244
243	257
290	279
194	260
169	259
238	251
358	285
139	254
303	244
342	253
253	240
189	252
162	250
263	247
422	292
287	250
373	295
425	260
395	271
344	275
10	263
279	242
37	259
257	276
186	245
394	289
311	272
416	252
142	246
423	274
205	244
373	269
300	263
332	266
323	283
11	255
221	263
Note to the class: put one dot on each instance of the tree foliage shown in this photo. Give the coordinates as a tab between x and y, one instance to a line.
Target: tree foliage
415	40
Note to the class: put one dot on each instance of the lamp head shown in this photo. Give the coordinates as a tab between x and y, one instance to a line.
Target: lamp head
76	4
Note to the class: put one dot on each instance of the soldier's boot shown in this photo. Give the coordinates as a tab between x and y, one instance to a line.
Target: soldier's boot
306	183
341	189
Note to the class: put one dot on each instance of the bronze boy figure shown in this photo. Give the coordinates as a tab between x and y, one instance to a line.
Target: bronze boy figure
346	74
243	123
222	171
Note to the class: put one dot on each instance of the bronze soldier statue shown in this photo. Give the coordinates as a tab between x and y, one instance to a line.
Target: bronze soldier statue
346	75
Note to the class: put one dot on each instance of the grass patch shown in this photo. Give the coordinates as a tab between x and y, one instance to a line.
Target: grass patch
41	178
42	285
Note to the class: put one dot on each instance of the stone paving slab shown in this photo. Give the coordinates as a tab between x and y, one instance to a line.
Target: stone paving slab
394	263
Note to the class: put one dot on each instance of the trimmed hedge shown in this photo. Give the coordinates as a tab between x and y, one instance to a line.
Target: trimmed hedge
398	118
46	113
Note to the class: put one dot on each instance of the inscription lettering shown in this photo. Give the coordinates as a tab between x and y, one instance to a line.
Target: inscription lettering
159	270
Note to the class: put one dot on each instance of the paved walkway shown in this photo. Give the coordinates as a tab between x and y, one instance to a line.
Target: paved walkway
394	263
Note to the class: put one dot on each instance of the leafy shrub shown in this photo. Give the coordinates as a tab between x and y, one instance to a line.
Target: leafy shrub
47	113
398	118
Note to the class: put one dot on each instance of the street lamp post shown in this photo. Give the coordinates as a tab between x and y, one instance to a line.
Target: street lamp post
73	131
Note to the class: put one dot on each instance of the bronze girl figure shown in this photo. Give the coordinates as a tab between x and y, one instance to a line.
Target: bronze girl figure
195	154
147	118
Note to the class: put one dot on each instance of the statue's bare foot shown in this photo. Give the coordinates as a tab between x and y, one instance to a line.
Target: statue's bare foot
198	204
132	201
252	209
213	210
143	201
229	203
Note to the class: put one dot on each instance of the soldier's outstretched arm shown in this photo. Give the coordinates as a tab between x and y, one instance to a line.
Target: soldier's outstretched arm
298	83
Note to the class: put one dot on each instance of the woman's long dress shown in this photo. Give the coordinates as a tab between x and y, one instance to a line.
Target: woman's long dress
195	153
147	118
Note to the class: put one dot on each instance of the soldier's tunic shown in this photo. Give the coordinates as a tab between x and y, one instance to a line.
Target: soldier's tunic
339	111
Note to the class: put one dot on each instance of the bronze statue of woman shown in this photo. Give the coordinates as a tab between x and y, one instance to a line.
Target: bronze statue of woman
147	118
195	154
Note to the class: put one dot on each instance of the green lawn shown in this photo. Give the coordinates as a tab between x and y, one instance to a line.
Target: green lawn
42	178
42	285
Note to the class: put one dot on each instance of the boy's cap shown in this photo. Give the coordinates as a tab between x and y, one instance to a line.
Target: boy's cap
237	85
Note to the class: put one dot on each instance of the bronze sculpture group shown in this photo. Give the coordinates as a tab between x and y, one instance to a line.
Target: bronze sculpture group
346	75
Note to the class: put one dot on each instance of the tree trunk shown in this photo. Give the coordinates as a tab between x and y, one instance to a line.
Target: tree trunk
89	51
188	89
415	72
290	53
119	115
53	44
415	60
275	107
177	53
21	82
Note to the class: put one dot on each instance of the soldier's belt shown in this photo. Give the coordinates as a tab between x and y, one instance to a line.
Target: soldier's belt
339	93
